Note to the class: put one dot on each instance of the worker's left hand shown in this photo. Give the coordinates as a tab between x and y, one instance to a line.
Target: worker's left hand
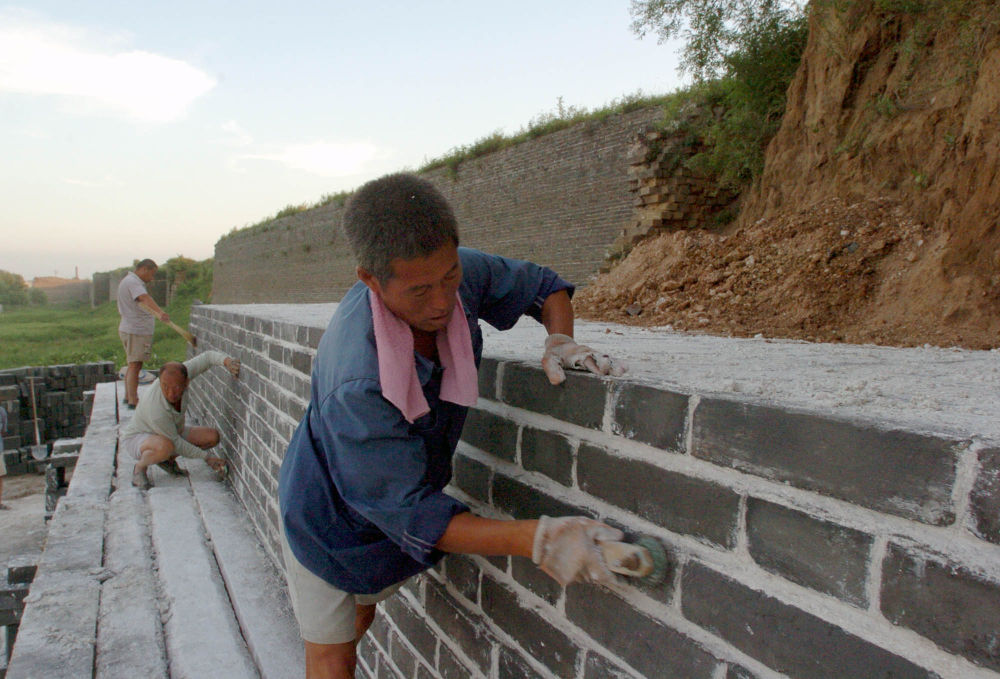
233	366
216	463
561	351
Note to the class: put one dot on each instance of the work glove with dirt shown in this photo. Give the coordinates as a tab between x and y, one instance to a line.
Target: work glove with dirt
561	351
568	549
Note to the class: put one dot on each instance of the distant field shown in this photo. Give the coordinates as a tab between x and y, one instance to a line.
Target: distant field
52	335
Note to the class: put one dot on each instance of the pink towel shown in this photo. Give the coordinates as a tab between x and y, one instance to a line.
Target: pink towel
397	367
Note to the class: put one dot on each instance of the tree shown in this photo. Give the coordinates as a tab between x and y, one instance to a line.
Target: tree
715	30
743	55
13	289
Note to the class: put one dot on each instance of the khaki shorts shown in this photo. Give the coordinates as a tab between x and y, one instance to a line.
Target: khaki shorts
3	465
138	348
132	445
325	614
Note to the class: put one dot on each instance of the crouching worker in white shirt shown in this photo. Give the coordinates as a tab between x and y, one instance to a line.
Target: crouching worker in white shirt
157	434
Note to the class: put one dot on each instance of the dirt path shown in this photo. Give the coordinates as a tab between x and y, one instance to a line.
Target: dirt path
22	527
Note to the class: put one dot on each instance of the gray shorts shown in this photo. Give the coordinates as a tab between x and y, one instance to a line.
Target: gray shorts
325	614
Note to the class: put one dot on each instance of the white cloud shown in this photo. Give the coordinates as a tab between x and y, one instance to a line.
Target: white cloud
328	159
39	58
237	135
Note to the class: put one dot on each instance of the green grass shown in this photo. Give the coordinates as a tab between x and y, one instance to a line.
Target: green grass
53	335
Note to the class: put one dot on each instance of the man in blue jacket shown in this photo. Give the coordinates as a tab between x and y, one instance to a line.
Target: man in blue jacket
361	484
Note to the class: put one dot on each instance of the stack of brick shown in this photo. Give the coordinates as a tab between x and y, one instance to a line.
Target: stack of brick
63	398
800	543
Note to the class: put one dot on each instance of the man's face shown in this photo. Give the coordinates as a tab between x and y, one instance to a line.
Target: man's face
146	274
421	291
173	384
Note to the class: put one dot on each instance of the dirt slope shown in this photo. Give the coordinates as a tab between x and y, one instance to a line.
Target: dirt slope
876	219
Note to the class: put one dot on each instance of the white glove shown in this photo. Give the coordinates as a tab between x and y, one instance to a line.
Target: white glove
568	549
562	352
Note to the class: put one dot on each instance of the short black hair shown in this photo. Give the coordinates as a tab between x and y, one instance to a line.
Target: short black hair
398	216
146	264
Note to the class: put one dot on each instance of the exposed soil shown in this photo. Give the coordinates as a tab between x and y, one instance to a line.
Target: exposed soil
815	275
877	218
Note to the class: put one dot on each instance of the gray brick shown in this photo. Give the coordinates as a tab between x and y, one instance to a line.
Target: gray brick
643	642
276	353
488	378
402	656
672	500
549	453
379	630
386	671
301	361
530	629
943	602
649	415
781	636
463	573
824	556
739	672
986	496
513	666
471	635
450	666
833	457
534	579
580	399
412	626
471	476
524	502
490	433
597	667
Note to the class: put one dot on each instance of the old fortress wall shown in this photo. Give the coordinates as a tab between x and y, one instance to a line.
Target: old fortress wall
562	200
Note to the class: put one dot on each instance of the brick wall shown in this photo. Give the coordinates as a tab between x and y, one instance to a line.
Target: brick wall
800	544
560	200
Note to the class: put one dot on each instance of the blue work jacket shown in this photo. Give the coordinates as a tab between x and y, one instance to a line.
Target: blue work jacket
360	488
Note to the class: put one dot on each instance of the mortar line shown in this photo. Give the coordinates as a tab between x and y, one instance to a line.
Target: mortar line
873	583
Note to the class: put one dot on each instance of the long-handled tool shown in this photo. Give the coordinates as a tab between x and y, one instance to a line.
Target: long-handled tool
645	558
38	451
180	331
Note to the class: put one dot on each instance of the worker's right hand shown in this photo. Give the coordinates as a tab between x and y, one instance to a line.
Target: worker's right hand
568	549
164	316
233	366
216	463
562	351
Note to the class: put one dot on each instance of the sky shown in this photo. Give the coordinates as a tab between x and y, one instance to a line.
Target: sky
151	129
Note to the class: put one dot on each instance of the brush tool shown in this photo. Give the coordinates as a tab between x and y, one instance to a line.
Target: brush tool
645	559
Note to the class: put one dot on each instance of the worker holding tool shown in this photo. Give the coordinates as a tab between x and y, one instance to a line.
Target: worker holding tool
361	484
139	312
158	434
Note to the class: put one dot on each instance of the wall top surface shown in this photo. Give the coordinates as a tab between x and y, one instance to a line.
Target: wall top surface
946	391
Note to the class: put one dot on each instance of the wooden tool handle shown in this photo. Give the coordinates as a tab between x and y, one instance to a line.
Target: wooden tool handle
178	329
34	408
